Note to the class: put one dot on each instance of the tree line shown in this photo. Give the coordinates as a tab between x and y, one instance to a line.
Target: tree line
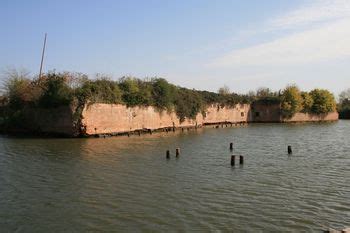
344	104
59	89
317	101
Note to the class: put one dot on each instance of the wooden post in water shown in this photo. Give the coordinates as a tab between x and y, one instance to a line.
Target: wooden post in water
233	160
177	152
241	159
231	146
290	150
168	154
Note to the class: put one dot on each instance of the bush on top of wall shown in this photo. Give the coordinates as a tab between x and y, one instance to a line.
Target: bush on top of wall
57	89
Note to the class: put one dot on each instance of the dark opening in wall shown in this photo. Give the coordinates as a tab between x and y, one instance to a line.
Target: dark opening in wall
257	114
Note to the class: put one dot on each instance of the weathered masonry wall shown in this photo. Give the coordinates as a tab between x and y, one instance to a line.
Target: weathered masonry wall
54	121
266	112
238	113
305	117
272	113
116	118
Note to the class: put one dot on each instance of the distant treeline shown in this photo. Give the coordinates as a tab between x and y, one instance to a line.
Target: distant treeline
57	89
344	105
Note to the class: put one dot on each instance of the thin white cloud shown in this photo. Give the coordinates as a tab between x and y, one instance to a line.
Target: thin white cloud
312	12
328	42
318	42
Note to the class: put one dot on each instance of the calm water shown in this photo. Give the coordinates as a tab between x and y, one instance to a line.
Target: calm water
126	184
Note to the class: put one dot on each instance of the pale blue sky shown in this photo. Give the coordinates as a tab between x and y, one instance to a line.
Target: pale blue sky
200	44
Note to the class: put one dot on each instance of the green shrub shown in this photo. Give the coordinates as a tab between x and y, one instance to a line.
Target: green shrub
307	102
188	104
210	97
163	94
145	92
17	89
56	92
270	100
131	94
99	91
56	89
323	101
291	101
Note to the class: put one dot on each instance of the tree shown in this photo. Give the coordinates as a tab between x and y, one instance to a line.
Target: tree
188	103
225	90
344	104
102	90
251	95
344	96
307	102
263	92
131	91
163	93
56	91
129	84
291	101
16	87
323	101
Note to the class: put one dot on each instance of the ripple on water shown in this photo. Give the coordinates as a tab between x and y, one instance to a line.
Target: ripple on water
126	184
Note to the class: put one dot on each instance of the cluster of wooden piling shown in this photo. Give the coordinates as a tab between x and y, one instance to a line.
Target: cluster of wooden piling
241	158
145	131
173	128
233	160
233	157
226	124
177	153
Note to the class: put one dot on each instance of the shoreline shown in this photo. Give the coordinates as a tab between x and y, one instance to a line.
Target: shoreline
145	131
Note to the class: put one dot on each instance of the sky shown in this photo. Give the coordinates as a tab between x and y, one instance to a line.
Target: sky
201	44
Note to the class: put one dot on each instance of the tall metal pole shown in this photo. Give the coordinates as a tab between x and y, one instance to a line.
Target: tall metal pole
42	57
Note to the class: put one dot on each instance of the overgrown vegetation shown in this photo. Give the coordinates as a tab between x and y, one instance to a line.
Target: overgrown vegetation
265	96
57	89
317	101
323	101
291	101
